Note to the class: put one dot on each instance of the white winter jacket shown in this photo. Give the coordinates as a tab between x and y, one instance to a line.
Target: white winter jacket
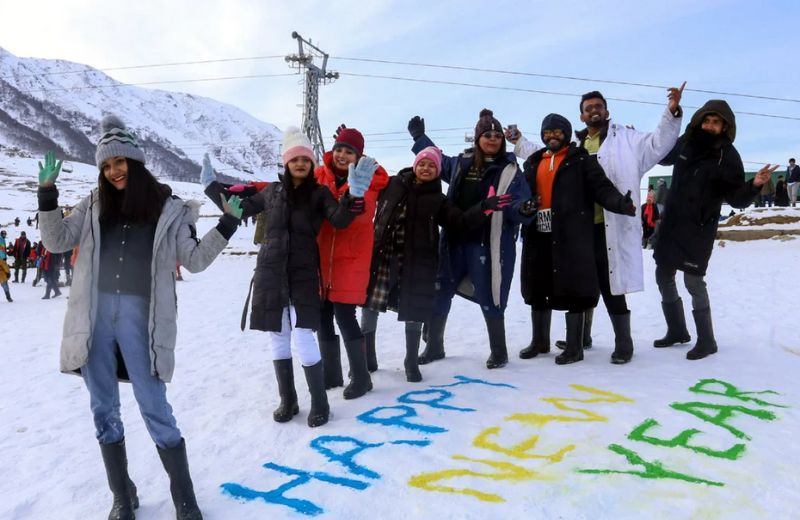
626	155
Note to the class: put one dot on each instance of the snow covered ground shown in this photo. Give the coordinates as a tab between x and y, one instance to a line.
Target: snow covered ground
659	437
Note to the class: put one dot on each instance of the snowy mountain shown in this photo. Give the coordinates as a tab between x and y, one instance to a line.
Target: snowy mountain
55	104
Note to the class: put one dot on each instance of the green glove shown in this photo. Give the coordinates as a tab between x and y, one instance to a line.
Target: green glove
49	172
232	206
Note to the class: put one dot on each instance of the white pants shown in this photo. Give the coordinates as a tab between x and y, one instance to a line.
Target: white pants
305	341
793	187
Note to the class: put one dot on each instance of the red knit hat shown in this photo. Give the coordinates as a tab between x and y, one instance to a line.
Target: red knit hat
350	138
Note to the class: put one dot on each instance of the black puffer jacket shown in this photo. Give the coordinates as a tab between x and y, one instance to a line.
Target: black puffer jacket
427	208
287	266
705	174
579	182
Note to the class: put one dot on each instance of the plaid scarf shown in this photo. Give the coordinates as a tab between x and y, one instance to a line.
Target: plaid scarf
378	299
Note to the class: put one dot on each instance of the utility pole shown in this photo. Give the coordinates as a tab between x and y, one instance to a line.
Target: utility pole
313	76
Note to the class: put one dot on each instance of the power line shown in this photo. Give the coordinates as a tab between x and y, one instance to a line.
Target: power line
555	76
122	85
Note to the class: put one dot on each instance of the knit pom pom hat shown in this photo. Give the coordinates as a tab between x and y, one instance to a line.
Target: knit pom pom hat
432	153
352	139
486	122
116	141
296	144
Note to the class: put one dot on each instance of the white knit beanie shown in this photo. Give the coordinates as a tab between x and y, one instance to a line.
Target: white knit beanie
116	141
296	144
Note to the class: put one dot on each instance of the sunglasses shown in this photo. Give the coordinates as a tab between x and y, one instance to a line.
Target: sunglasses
492	134
552	133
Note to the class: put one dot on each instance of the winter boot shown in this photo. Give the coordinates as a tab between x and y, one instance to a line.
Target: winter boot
540	342
180	483
434	347
411	363
8	295
496	327
706	344
588	317
676	325
623	343
331	362
57	292
320	411
46	294
288	407
372	358
574	347
115	460
361	382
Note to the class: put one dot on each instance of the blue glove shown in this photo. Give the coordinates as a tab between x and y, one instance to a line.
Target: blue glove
207	175
359	176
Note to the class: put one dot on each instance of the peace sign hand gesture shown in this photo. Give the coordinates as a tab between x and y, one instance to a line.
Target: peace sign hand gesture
764	174
674	98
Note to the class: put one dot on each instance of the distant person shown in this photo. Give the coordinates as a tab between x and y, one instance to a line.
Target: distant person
661	194
781	193
707	171
22	250
793	181
767	195
122	310
16	222
650	218
5	272
29	221
51	267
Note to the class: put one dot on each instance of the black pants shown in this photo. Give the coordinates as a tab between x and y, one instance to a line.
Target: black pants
615	304
20	265
542	294
345	314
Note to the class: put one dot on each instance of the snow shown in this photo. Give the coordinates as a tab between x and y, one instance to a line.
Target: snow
224	391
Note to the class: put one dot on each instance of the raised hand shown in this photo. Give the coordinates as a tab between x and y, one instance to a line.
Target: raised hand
338	131
232	206
416	127
207	175
674	97
359	175
764	174
626	205
49	172
512	134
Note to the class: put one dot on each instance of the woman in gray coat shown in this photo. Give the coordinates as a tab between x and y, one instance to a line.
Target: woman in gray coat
122	310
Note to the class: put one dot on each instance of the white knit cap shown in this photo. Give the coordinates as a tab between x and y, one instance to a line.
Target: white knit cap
116	141
296	144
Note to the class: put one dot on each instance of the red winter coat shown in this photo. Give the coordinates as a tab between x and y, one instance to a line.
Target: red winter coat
346	254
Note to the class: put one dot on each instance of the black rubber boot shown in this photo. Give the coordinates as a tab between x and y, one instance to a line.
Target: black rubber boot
434	347
574	349
331	362
706	344
540	339
676	325
361	383
115	460
496	326
623	343
320	410
288	407
411	363
588	317
372	358
8	295
180	482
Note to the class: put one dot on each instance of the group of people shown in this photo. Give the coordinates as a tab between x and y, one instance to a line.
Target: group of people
344	234
26	254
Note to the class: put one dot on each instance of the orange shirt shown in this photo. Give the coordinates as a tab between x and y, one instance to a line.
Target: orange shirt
545	174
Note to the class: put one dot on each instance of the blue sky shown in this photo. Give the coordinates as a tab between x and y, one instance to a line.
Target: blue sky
727	46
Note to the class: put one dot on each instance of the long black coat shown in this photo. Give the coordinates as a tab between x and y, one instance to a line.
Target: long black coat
579	182
287	265
427	208
703	177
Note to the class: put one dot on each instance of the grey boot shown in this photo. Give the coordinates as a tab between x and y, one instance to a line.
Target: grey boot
623	343
496	327
540	342
361	383
676	325
285	375
434	348
574	348
331	362
411	362
115	460
320	410
372	357
588	318
180	482
706	344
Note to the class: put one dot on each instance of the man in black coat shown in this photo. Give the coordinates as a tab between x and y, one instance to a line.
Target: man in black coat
707	171
22	250
558	266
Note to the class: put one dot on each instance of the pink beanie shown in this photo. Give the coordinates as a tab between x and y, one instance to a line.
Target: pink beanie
432	153
296	144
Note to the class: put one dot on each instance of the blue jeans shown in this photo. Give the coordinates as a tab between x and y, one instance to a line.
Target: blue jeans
122	322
